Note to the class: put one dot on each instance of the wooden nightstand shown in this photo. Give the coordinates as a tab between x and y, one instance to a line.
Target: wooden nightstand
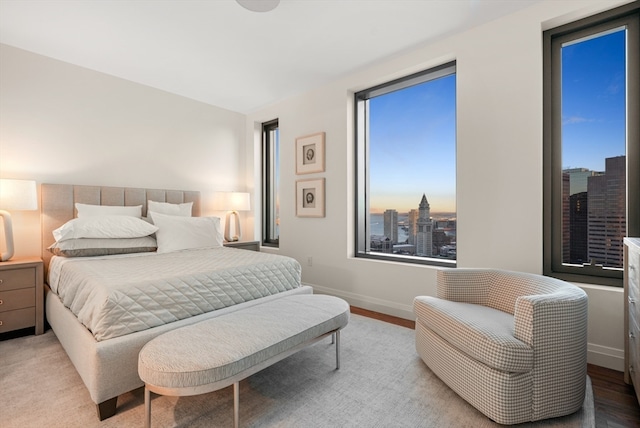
244	245
21	295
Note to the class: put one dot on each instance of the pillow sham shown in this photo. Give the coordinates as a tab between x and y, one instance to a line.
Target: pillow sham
88	247
107	226
85	210
183	210
181	233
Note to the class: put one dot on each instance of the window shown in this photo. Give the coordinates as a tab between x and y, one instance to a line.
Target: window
591	146
406	169
271	184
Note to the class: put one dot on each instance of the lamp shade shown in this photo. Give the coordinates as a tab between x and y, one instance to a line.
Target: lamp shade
233	201
18	194
15	195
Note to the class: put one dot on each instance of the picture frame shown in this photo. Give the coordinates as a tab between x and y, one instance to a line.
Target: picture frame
310	153
310	198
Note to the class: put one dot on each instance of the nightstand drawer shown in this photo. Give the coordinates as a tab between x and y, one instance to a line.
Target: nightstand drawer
20	318
634	351
12	279
17	299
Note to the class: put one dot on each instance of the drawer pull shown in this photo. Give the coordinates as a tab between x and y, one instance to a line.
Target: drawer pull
1	280
631	336
632	301
0	322
1	302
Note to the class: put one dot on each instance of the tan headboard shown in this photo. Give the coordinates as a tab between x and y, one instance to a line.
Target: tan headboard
58	204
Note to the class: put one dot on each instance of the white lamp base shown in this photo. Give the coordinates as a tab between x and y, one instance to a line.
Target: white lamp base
227	228
8	235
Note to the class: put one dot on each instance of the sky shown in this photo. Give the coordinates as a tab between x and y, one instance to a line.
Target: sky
412	147
593	101
412	131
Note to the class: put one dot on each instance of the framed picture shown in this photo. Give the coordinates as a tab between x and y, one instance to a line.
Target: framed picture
310	153
310	198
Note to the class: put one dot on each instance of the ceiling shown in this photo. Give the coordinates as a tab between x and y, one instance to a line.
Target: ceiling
220	53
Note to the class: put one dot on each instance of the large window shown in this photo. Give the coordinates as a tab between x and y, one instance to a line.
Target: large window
406	168
592	153
270	184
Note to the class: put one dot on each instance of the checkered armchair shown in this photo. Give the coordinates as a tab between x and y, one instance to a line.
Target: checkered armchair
513	345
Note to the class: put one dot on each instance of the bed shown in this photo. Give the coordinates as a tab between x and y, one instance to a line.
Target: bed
106	354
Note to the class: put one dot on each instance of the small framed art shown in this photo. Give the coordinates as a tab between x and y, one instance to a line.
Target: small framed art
310	153
310	198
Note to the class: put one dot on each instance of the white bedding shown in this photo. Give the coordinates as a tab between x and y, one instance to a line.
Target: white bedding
117	295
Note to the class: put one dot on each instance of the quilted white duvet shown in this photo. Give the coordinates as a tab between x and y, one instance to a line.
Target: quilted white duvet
117	295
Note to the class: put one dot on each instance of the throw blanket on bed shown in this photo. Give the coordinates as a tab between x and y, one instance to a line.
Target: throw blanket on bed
117	295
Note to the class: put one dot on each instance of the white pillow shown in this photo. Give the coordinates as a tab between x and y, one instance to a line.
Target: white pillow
181	233
183	210
85	210
89	247
107	226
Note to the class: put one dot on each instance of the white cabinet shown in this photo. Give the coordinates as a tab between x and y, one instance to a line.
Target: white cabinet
632	313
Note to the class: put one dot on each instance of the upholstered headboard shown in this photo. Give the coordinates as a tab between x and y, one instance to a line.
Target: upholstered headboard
58	204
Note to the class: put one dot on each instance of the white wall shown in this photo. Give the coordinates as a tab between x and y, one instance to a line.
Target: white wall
60	123
499	170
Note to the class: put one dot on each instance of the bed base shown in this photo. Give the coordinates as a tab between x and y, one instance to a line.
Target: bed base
109	368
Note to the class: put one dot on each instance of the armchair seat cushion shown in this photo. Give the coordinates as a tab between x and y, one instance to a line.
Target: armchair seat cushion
483	333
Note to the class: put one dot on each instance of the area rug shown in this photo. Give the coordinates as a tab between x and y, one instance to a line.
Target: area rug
381	383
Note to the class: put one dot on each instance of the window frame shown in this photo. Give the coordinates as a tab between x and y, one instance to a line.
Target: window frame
553	40
269	152
361	137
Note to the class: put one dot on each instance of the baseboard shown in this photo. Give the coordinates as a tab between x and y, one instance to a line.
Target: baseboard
605	356
598	355
369	303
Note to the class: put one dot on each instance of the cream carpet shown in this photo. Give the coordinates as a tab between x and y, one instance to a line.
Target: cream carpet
382	383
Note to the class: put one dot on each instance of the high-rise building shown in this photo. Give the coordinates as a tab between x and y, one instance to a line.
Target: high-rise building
578	229
606	195
391	225
574	214
413	225
424	236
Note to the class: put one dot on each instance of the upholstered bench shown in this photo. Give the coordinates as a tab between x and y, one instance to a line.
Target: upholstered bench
219	352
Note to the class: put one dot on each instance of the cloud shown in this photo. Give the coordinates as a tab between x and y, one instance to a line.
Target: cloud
573	120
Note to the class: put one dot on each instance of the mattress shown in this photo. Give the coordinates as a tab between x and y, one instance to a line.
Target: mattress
116	295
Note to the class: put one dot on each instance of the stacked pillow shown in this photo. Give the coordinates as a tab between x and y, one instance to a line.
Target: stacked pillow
106	230
101	230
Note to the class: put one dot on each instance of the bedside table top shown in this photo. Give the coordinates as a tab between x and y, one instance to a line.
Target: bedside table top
244	245
232	243
15	262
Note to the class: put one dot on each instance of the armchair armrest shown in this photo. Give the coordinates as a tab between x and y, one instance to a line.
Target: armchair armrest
551	320
464	285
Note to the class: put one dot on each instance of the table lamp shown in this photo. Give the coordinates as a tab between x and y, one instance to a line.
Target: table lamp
15	195
233	202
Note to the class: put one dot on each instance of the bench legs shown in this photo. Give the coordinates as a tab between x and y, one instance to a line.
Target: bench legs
335	339
147	408
236	404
